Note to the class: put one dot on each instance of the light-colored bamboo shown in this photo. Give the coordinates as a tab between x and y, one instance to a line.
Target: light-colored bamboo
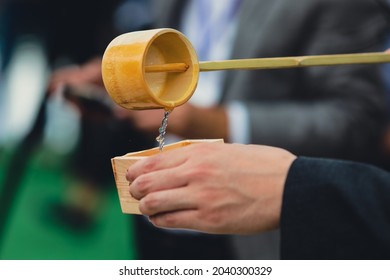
169	67
293	62
130	86
277	62
159	68
129	204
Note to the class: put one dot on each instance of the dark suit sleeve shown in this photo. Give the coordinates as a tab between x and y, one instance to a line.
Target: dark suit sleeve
335	210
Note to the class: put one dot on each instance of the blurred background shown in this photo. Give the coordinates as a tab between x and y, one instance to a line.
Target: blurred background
40	134
58	198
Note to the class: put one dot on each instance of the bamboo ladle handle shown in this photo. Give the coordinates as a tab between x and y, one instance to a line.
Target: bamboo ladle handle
159	68
276	62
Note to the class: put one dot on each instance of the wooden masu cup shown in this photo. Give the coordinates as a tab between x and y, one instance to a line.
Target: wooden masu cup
129	204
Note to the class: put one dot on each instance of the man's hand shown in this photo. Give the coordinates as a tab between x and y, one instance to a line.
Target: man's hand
215	188
74	75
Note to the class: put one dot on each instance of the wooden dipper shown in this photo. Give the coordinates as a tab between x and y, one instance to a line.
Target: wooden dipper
159	68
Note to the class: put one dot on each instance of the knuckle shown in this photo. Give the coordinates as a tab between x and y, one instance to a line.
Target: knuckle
199	171
169	220
139	187
158	221
149	205
166	220
142	185
213	220
129	175
150	164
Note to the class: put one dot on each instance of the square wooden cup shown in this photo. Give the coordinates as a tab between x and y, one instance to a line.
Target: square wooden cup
120	165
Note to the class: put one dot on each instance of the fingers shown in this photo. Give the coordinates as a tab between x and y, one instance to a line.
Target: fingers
157	181
161	161
192	219
64	76
184	219
169	159
167	201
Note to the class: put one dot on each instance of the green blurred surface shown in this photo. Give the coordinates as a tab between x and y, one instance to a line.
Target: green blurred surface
32	232
5	155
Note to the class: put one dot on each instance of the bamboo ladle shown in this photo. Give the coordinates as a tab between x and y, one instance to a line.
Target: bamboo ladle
159	68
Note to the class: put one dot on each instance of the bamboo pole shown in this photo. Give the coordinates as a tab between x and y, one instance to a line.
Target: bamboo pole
277	62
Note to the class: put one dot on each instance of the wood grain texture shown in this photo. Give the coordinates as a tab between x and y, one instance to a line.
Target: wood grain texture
129	204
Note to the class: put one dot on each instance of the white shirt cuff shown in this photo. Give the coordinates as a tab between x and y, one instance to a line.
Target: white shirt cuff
238	123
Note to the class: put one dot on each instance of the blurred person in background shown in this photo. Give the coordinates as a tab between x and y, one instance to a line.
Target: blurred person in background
23	49
321	111
336	112
66	35
79	81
